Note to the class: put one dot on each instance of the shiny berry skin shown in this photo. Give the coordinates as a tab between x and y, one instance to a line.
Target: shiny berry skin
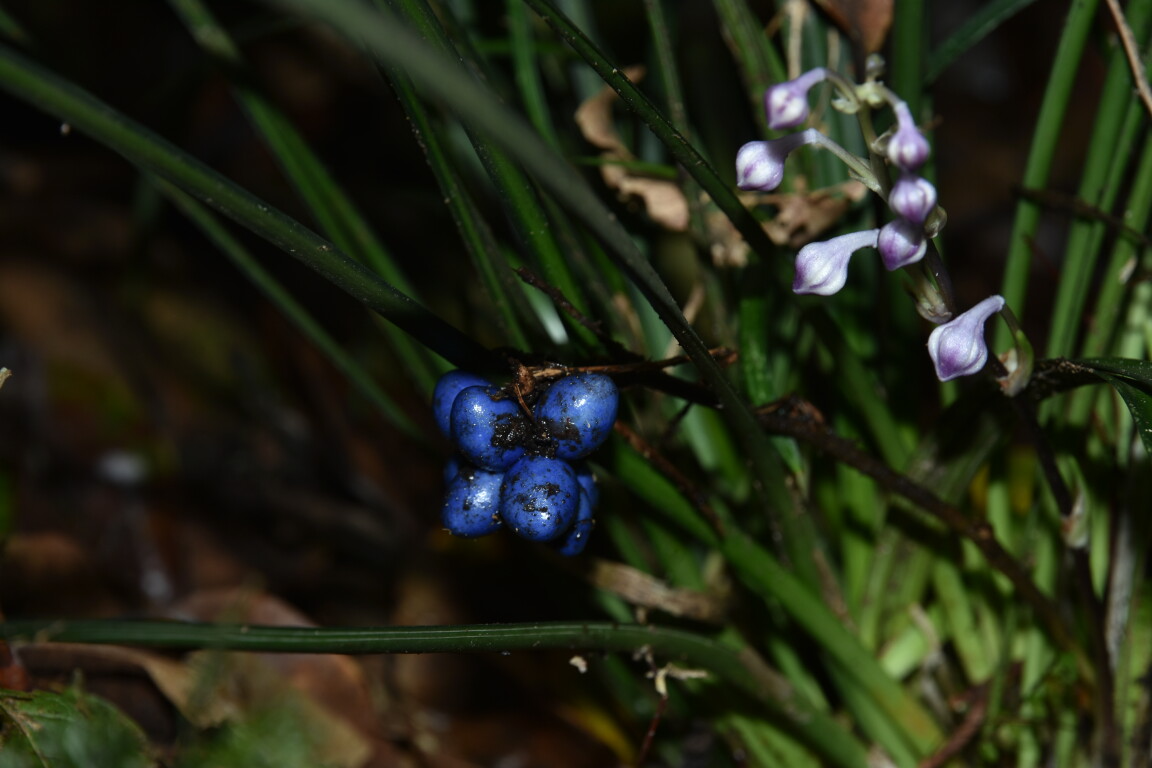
587	480
471	502
579	411
540	498
444	395
487	431
576	538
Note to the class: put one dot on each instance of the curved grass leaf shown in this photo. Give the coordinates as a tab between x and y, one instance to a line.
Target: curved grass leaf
30	82
1132	380
978	26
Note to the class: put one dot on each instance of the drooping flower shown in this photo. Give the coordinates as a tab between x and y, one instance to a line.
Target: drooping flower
957	347
901	243
912	197
907	147
787	103
760	164
822	268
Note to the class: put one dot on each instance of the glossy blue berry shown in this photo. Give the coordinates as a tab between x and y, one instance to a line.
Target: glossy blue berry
471	502
487	431
540	497
444	395
587	480
579	411
573	542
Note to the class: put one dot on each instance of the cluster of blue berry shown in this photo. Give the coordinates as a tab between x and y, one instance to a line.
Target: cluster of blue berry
523	468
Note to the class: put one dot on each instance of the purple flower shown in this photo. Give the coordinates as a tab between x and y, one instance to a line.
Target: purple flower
822	268
907	147
957	347
787	103
760	164
912	197
901	243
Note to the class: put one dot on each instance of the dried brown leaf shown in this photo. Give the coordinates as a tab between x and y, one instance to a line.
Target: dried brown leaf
662	199
866	22
647	591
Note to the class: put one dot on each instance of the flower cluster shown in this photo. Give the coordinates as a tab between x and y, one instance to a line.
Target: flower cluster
956	346
523	469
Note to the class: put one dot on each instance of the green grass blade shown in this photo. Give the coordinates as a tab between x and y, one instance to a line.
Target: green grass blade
1109	159
721	191
262	279
333	210
978	26
28	81
516	192
1061	82
500	282
759	63
527	74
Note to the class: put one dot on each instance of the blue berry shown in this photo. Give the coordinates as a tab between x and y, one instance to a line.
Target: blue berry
587	480
573	542
471	503
579	411
540	497
444	395
487	431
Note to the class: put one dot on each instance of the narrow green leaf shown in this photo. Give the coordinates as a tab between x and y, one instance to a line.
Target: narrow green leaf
1136	391
978	26
1139	371
29	81
293	310
1042	152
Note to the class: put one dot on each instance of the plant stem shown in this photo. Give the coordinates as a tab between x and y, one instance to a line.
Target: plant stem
739	667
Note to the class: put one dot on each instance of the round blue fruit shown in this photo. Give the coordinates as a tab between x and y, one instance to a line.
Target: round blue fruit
540	497
444	395
579	411
472	502
587	479
576	538
487	431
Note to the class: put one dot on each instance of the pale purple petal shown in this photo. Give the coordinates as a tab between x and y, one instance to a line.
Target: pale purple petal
760	164
957	347
901	243
822	268
912	197
907	148
787	103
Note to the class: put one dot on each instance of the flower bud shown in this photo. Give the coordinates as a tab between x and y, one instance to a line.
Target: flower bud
760	164
901	243
957	347
822	268
787	103
912	197
907	148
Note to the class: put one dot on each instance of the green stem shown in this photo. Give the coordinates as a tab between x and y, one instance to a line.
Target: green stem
736	666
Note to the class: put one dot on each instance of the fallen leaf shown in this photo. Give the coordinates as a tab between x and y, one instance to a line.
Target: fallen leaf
802	216
866	22
662	199
647	591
